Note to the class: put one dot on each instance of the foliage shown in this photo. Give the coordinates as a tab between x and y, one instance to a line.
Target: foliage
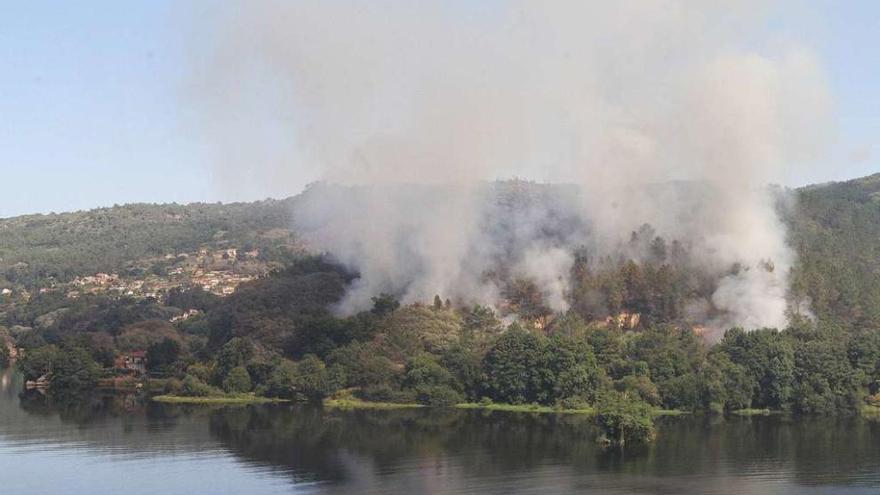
37	249
193	387
624	419
237	381
161	355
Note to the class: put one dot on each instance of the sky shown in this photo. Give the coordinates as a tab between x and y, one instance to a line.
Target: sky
96	106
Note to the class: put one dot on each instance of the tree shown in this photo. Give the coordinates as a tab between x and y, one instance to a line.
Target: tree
311	380
282	380
161	355
623	419
572	369
237	352
384	304
238	381
513	368
38	362
73	368
432	383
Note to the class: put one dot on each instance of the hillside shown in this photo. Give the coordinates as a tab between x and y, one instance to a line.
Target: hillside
835	229
36	250
627	330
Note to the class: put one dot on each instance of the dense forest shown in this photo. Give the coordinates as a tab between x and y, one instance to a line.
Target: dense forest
278	336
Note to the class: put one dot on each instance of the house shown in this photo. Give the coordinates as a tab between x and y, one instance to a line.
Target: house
185	316
135	361
41	383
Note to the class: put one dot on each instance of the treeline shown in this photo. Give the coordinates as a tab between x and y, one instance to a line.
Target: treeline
276	337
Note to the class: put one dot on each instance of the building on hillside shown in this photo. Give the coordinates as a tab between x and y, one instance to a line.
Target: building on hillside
134	361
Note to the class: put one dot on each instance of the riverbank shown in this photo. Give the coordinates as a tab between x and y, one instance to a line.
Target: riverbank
222	399
755	412
353	403
524	408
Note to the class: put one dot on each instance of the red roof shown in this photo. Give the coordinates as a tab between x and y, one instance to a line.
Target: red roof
138	354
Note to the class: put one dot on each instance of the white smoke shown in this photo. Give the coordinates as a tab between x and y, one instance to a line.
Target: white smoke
614	97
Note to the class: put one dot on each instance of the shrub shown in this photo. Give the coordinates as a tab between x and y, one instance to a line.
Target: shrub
438	395
199	371
238	381
173	386
624	420
193	387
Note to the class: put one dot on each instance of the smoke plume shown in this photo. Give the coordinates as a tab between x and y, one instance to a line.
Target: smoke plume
673	113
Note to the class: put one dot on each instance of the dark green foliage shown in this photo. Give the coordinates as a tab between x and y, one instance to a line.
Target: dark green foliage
194	387
431	383
672	357
161	355
312	381
68	367
237	381
236	353
513	369
768	360
73	368
282	380
271	309
464	364
384	304
38	362
624	419
824	382
573	369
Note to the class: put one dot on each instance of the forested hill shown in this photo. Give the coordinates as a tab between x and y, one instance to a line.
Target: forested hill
835	229
276	336
37	249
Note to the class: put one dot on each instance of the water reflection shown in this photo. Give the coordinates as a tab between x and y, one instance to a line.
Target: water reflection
284	449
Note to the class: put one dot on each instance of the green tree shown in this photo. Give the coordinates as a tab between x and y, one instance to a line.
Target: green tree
235	353
432	383
73	368
237	381
311	380
514	370
624	420
162	355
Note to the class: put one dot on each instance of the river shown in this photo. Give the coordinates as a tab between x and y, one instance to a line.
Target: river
113	444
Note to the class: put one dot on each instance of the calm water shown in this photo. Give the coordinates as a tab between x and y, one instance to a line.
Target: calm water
110	445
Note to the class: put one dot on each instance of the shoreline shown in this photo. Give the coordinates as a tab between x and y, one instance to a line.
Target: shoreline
233	399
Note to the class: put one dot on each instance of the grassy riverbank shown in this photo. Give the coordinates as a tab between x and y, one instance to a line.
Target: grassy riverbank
524	408
754	412
221	399
872	412
353	403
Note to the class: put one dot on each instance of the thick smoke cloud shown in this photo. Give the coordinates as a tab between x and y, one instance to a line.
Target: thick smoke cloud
422	103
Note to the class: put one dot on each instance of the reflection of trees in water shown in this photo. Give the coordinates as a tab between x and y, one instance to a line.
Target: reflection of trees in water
308	440
322	445
358	448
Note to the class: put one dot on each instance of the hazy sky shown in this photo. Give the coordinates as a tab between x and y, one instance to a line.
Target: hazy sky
95	106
